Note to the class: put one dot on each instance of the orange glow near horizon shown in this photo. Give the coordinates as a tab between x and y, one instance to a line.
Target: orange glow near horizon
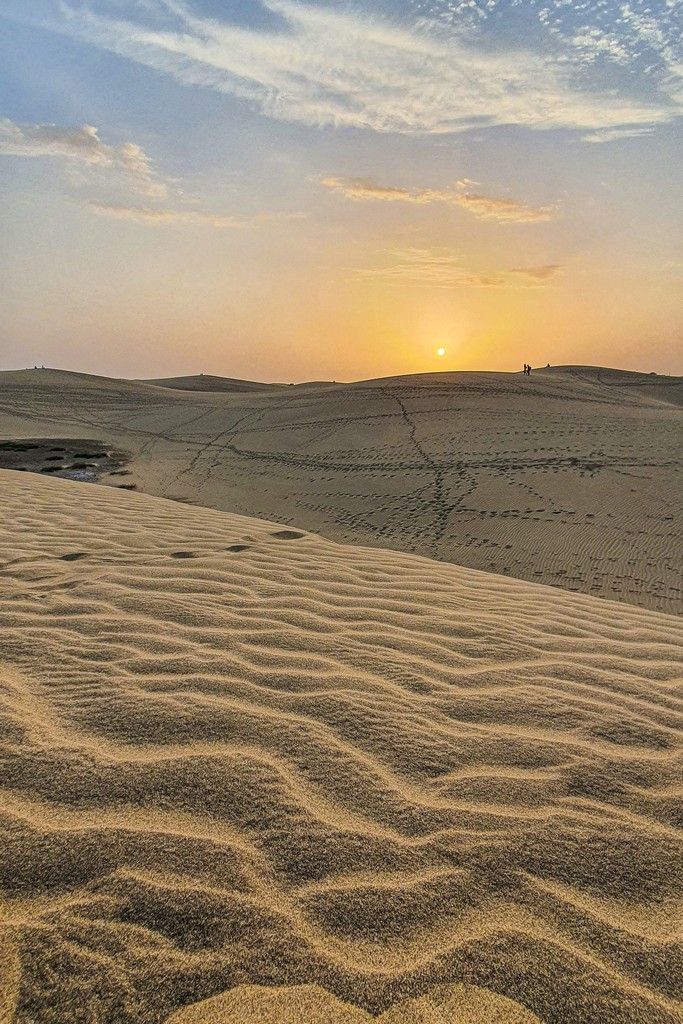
412	219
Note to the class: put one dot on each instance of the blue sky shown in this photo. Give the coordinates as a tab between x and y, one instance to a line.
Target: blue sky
283	190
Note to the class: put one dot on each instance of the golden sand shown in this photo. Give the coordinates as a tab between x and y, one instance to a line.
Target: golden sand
237	757
309	1004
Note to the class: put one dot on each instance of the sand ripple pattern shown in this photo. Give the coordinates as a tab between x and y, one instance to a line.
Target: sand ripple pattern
234	754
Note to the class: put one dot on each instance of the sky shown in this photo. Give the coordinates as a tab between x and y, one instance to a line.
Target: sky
282	190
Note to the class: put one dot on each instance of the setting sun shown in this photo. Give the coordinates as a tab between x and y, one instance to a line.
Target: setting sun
441	351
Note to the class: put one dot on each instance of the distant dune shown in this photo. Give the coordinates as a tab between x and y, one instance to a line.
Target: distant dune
207	382
251	776
572	477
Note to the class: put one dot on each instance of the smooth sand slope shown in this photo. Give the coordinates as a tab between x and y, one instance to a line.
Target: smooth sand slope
572	477
249	775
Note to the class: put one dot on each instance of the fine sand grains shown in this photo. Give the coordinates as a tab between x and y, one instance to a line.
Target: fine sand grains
249	775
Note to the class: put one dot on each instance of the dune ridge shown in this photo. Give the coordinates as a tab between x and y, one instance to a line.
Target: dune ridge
571	477
309	1004
209	382
237	756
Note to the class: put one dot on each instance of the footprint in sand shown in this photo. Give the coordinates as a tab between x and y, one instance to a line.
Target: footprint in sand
183	554
238	547
287	535
73	556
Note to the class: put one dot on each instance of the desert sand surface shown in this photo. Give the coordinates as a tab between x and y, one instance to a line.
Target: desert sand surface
251	775
571	477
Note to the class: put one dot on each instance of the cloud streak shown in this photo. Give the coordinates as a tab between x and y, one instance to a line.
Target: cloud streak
505	210
81	146
366	188
337	66
482	206
159	217
442	268
538	274
615	134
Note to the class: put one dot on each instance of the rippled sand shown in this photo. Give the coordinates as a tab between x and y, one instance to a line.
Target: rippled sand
249	775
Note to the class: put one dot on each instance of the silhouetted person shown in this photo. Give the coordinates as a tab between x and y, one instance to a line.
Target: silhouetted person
528	370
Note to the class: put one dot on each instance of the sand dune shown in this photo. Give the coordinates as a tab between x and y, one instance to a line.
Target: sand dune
208	382
570	478
236	756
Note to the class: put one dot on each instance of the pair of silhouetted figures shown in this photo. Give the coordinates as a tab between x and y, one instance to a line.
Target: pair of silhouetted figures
527	370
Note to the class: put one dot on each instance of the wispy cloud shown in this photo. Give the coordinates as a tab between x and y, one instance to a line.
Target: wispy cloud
642	37
128	168
438	268
492	208
327	65
82	146
615	134
483	206
159	216
366	188
442	268
538	274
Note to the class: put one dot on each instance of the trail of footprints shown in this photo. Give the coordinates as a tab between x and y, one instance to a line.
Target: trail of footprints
76	556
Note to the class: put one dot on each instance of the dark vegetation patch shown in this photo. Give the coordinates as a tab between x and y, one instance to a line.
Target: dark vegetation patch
19	446
73	459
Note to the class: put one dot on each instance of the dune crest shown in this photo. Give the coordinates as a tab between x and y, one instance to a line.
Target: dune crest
253	1004
209	382
233	753
309	1004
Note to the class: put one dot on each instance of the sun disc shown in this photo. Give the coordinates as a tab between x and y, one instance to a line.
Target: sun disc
441	351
